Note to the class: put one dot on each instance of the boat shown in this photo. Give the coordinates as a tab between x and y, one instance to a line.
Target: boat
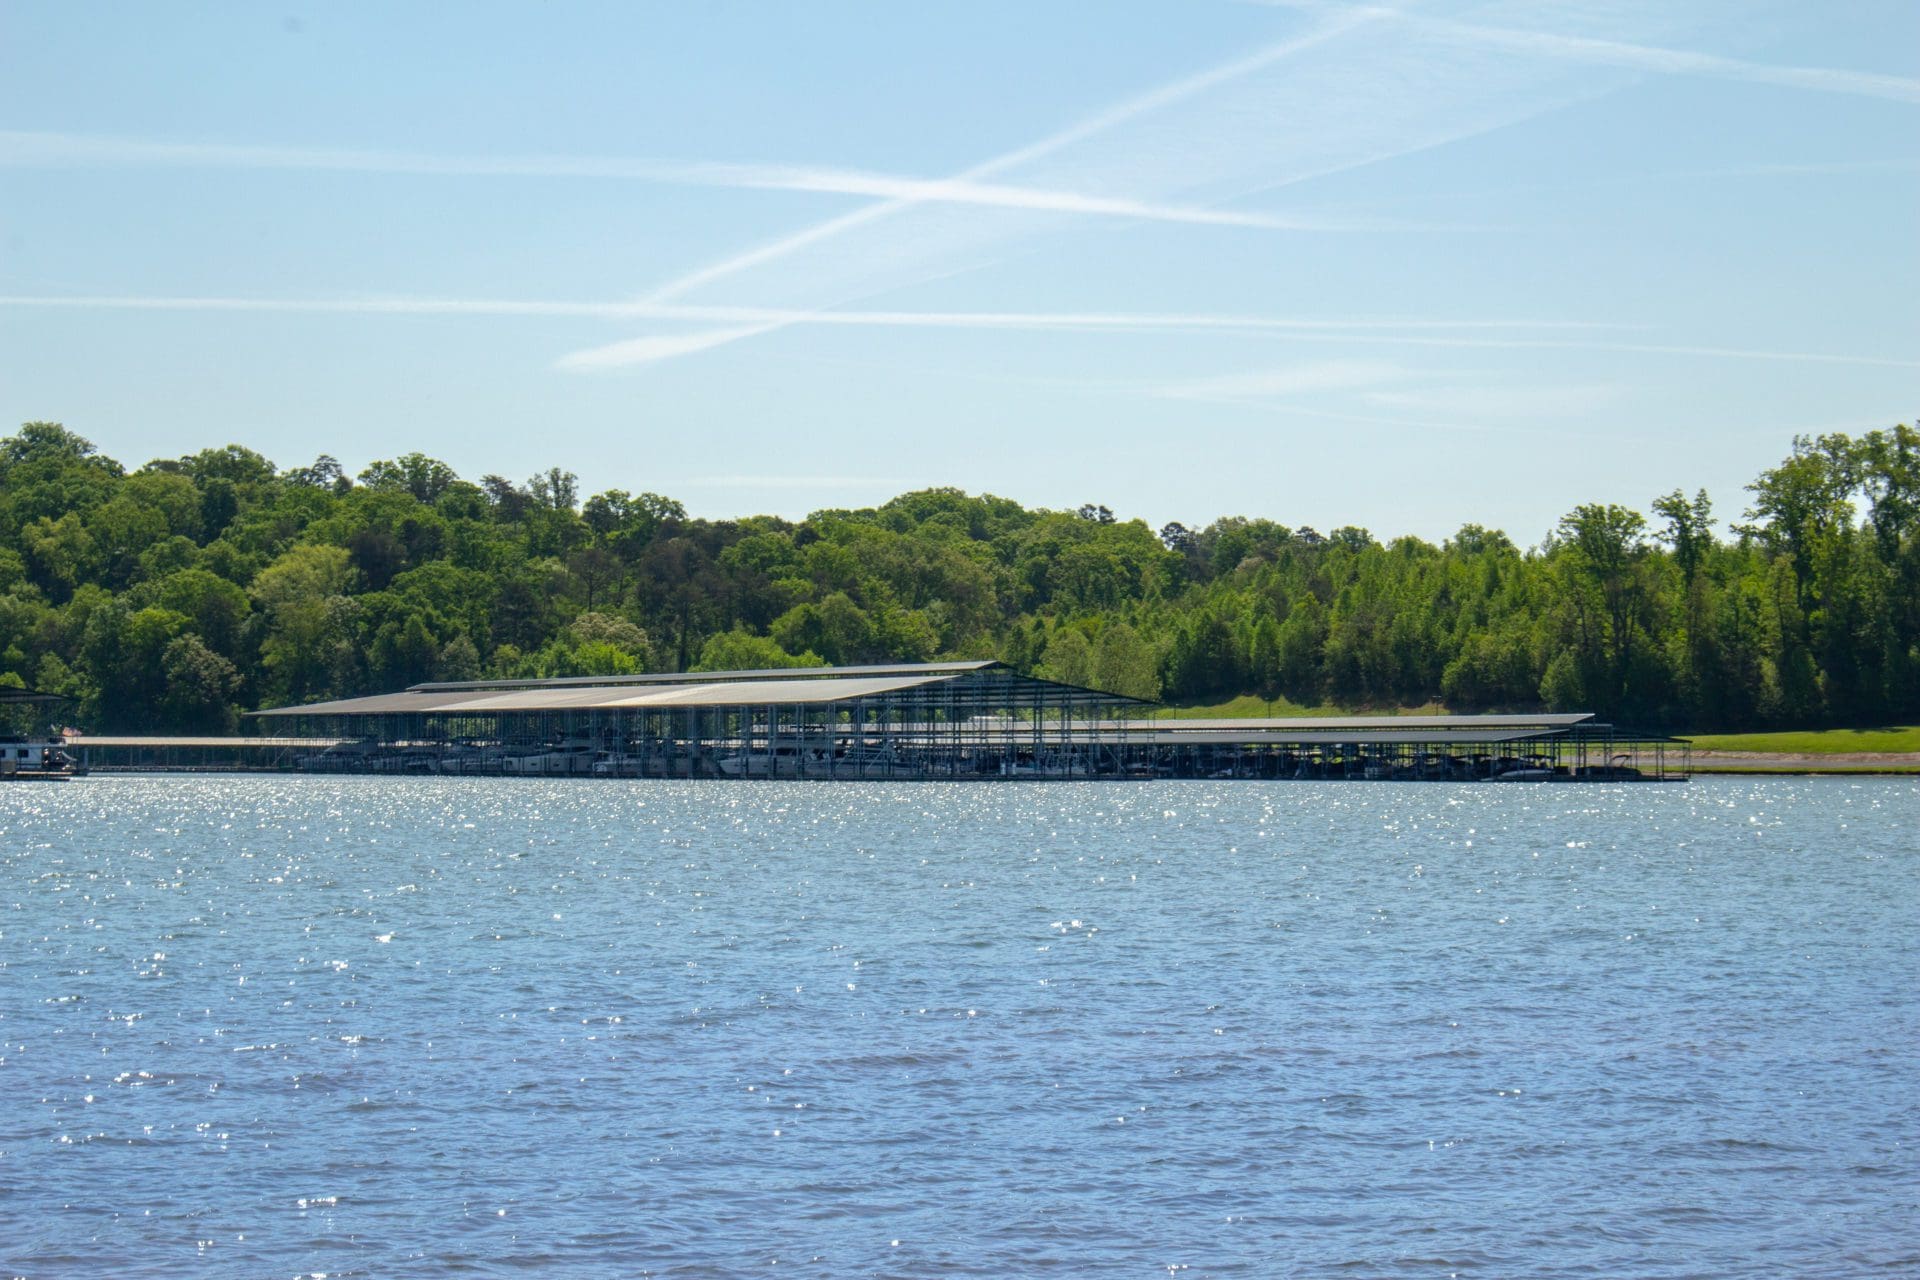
36	760
874	762
419	757
563	758
464	757
1614	770
1526	773
1050	764
781	760
630	764
356	755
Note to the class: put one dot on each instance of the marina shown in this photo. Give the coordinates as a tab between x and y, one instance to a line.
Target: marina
976	720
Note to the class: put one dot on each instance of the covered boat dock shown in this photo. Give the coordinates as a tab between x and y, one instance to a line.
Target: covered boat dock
975	719
929	720
1547	747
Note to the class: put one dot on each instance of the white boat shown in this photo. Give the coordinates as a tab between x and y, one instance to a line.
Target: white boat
1050	765
463	757
781	760
873	762
418	758
355	756
550	761
35	757
629	764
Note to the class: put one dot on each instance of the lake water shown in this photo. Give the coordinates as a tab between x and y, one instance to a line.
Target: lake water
266	1026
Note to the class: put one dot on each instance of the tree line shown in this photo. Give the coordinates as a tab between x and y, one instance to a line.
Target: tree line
173	597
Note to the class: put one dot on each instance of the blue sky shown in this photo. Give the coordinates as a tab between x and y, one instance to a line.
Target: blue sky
1406	265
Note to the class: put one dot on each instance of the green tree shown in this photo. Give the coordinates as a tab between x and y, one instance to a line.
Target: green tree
1600	552
612	632
1124	663
60	554
39	442
217	608
47	472
459	659
743	651
415	473
1800	505
1688	529
199	687
308	619
1303	636
836	628
1068	658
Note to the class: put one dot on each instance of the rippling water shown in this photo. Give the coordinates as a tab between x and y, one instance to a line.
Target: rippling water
267	1026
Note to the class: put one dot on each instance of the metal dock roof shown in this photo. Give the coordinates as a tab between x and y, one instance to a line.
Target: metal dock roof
613	697
968	684
894	669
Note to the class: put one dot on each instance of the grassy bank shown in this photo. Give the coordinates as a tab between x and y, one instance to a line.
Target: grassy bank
1813	743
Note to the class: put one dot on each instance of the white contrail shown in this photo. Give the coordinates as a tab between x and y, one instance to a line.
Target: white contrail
1164	96
21	149
743	322
1635	348
1640	57
1437	82
661	346
1338	22
1644	57
749	317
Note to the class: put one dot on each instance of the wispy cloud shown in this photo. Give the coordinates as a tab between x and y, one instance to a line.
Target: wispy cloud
1173	92
1294	380
1357	85
659	347
766	317
1644	348
1242	128
1318	389
1632	55
1647	177
1498	401
796	482
1360	85
1641	57
22	149
1521	343
739	322
1293	409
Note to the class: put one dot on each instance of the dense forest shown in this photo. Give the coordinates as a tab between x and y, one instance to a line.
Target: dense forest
173	597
